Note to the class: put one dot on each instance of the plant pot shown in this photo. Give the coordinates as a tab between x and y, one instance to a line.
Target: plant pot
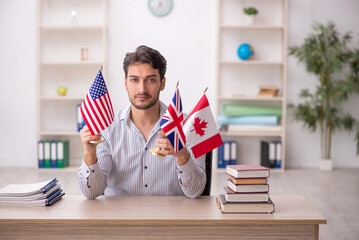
326	165
250	19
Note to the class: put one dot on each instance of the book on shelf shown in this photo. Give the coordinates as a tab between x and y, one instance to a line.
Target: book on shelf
244	207
227	154
54	154
231	196
248	180
35	194
248	188
247	171
271	154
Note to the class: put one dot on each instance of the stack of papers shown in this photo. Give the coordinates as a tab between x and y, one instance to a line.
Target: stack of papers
37	194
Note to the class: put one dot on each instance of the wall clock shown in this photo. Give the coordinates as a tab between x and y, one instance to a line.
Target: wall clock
160	8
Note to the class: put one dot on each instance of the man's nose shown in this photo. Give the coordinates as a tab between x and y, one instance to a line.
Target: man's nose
142	86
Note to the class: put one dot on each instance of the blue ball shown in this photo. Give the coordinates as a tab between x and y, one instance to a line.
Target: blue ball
245	51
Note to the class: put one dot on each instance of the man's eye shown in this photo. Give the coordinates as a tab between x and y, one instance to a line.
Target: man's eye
133	79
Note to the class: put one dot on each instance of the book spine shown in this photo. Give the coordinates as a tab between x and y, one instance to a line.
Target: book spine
53	154
272	154
40	153
234	148
47	154
220	156
265	154
278	153
227	153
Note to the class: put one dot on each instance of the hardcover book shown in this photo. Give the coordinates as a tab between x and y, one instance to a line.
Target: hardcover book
241	207
248	188
248	180
231	196
247	171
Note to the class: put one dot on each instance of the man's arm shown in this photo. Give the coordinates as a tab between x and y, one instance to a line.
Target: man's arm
92	175
191	171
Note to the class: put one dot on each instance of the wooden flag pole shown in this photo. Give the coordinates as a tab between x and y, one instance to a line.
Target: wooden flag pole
205	90
101	68
177	84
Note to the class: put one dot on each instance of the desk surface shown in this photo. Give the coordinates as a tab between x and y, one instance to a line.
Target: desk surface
289	209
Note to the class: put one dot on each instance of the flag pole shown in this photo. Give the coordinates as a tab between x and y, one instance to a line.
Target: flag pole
101	68
205	90
177	84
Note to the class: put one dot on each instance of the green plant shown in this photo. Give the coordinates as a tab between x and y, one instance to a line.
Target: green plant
327	55
250	11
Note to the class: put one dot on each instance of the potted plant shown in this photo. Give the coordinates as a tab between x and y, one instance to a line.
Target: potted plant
250	15
327	55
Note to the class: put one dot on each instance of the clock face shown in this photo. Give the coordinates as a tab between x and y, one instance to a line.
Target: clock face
160	8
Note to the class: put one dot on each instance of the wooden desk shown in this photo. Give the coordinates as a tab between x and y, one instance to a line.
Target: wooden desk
75	217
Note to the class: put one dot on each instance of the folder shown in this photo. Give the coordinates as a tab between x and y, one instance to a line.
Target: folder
227	153
62	154
40	153
80	120
278	155
234	147
53	151
265	154
47	154
220	156
272	149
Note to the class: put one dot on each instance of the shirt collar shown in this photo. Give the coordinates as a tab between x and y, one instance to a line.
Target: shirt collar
125	114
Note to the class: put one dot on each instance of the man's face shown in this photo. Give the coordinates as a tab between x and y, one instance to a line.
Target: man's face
143	85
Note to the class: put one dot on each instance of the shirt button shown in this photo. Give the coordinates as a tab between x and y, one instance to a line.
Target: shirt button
146	148
93	170
181	172
145	167
145	185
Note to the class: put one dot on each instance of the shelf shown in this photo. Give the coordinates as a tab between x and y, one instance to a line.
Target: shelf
252	134
62	98
250	62
253	27
58	133
70	28
251	98
71	63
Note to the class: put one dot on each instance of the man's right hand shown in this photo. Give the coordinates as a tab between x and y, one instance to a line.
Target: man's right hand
89	148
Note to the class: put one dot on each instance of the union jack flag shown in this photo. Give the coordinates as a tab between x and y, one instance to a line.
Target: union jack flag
172	122
97	109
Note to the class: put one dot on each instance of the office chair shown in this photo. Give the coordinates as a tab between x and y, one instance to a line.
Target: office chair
207	188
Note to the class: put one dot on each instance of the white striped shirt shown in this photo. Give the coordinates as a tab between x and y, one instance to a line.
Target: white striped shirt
125	165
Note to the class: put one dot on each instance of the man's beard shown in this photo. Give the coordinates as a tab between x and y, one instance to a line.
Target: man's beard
148	106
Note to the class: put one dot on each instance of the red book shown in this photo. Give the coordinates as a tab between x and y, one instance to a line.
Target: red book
247	171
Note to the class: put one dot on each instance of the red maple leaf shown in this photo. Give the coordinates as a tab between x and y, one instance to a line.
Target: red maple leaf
199	126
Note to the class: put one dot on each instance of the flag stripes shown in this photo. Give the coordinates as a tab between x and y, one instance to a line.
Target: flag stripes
97	109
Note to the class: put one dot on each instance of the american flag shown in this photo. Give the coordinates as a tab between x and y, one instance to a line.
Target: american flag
172	122
97	109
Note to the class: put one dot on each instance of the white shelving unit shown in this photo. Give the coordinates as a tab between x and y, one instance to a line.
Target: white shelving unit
60	38
238	81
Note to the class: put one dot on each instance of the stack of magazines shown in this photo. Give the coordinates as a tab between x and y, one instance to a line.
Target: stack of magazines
36	194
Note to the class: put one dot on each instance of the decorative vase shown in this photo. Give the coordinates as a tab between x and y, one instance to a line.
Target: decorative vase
250	19
326	164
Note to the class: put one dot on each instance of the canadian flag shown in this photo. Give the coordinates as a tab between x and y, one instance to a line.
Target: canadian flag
201	130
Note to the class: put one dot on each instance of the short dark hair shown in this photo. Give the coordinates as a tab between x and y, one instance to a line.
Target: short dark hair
144	54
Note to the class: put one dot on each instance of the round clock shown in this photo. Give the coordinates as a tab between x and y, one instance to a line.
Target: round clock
160	8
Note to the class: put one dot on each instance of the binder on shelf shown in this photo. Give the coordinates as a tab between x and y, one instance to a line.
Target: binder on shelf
278	154
272	154
221	156
47	154
40	153
62	154
79	119
53	153
265	154
234	148
227	153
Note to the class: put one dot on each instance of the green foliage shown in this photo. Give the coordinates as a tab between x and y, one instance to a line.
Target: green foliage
326	54
250	11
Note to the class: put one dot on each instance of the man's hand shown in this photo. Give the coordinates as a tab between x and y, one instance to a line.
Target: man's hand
165	148
89	149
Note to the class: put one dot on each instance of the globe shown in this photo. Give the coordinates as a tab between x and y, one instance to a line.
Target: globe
245	51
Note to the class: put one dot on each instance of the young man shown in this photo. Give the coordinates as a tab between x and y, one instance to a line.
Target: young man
123	164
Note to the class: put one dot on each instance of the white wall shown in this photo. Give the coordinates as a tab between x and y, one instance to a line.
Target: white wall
186	39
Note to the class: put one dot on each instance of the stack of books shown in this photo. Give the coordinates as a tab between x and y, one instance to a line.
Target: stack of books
37	194
247	190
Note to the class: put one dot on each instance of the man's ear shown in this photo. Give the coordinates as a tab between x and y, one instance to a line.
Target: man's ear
125	79
163	84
